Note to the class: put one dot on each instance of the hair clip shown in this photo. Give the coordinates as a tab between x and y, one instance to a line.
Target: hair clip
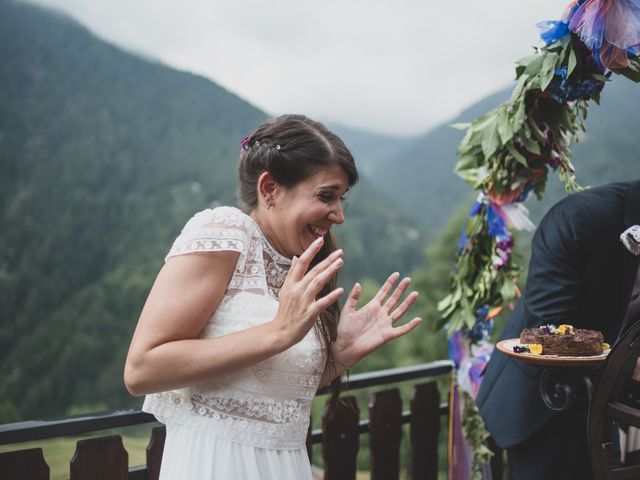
245	142
277	147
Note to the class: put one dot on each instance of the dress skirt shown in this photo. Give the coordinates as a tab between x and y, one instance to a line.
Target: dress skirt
196	454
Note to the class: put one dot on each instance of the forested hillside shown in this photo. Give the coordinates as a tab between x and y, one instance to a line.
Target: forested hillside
104	156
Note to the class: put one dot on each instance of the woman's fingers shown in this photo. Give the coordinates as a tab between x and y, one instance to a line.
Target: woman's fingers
404	306
316	279
298	270
324	264
354	296
386	288
329	299
397	294
406	328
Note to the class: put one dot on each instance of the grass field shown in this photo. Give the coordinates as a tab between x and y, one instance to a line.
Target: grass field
59	451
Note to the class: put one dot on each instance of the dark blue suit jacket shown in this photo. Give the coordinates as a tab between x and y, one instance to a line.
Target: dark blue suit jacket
580	274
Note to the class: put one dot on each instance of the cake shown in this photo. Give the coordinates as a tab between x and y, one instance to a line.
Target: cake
563	340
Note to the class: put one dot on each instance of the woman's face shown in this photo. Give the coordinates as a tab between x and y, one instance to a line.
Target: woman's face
308	210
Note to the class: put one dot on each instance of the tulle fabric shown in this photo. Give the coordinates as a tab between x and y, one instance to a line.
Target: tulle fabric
195	454
608	27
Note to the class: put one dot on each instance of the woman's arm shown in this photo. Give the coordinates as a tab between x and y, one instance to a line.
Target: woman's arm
165	352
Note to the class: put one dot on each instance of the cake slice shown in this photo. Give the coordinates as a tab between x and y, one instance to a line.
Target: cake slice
564	340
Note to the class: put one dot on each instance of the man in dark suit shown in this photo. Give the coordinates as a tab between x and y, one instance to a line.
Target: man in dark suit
580	274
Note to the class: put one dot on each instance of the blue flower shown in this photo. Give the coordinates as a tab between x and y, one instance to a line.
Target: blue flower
552	30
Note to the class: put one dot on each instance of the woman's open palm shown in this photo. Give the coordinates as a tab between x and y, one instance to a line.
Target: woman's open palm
361	331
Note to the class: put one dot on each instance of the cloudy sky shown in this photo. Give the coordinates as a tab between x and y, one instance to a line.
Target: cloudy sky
396	67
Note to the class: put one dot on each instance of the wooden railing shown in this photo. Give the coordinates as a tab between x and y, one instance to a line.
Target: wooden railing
339	436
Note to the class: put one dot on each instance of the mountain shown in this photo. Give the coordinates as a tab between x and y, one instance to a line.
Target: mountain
421	176
370	149
104	156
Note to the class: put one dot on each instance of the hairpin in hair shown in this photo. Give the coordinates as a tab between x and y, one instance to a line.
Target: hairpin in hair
278	147
245	142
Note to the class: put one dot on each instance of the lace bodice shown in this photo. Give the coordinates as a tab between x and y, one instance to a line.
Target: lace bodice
268	404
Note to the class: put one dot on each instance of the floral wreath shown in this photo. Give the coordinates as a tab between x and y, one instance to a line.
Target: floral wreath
506	155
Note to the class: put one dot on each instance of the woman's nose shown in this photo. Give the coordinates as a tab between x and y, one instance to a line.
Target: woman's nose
337	214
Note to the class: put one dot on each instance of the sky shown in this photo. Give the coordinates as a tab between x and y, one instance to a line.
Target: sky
397	67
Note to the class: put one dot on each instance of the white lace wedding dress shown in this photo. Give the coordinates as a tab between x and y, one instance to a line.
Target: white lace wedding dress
251	424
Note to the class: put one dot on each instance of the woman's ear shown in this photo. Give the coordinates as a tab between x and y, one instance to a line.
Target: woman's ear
267	189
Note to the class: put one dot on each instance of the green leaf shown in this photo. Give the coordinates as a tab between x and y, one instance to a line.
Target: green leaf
473	176
534	66
629	73
484	121
525	61
474	225
536	131
517	91
517	155
504	127
518	118
508	290
491	140
548	70
466	162
530	145
573	61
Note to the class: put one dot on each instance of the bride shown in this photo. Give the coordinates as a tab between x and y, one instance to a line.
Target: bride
242	324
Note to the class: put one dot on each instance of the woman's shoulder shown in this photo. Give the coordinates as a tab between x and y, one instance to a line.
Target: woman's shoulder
216	229
221	217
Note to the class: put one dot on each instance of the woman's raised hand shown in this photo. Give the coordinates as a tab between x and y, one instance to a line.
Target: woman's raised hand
299	308
361	331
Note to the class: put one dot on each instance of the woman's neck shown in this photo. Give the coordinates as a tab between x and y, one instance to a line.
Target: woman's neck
267	231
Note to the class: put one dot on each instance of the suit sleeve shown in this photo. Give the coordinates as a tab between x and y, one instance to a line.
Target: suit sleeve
556	272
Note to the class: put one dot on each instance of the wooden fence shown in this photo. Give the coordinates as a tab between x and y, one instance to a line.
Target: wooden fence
105	458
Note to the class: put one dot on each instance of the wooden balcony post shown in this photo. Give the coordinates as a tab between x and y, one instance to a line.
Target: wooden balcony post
425	429
154	452
340	439
385	421
101	458
26	464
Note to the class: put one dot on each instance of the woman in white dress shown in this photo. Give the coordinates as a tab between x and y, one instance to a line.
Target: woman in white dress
242	324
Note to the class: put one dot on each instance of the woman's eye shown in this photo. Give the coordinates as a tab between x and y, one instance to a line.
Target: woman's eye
326	197
332	197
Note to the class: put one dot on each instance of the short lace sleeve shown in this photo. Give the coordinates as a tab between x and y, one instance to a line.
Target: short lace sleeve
216	230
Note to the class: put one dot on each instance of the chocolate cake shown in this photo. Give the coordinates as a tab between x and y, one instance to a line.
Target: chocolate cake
564	340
